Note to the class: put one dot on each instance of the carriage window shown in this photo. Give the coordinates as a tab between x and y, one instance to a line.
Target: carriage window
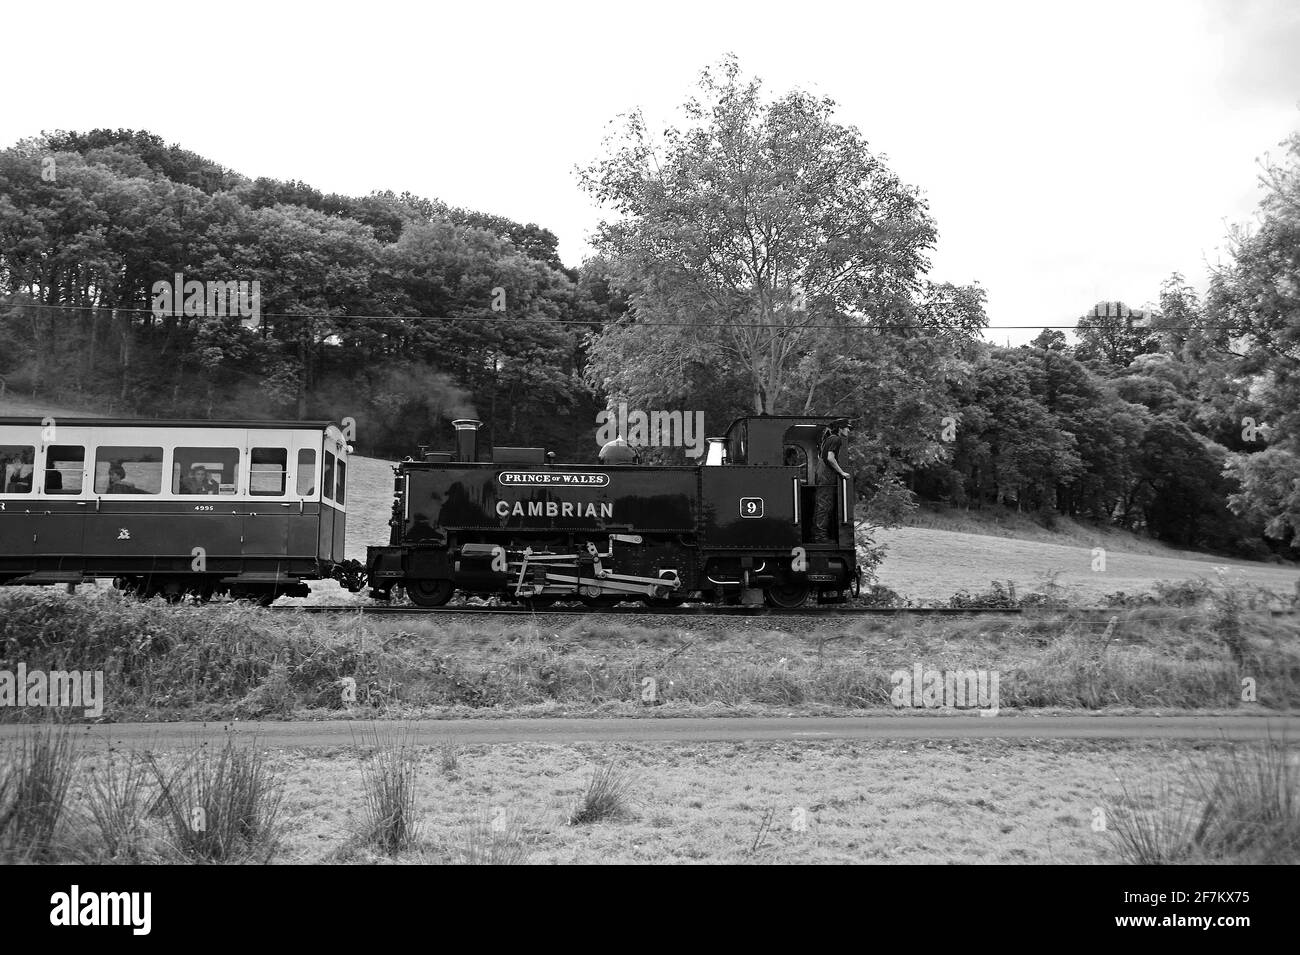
63	469
266	472
128	470
327	483
205	471
16	464
343	475
306	471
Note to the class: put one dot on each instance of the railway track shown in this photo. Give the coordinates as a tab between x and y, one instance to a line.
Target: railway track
757	611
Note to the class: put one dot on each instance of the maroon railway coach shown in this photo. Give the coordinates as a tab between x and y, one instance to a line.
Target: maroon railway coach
247	508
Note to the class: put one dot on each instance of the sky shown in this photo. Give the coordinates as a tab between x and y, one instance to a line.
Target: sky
1070	153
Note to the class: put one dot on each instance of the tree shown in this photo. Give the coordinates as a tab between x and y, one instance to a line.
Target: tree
1109	337
1255	303
752	224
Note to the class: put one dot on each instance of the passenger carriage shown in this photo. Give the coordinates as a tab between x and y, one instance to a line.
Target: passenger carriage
249	508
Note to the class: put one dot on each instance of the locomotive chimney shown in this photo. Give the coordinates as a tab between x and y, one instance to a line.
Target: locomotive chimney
466	438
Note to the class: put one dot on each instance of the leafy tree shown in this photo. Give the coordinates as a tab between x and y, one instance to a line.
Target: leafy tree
753	223
1112	335
1254	302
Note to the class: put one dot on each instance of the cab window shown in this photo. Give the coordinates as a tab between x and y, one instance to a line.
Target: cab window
736	444
327	482
342	480
128	470
64	465
207	471
266	472
306	471
17	462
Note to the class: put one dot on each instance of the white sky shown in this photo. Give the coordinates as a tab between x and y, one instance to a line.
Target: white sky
1070	154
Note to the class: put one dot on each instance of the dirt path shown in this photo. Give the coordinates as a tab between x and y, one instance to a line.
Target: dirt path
346	733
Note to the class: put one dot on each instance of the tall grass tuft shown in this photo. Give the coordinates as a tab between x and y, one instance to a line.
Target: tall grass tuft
34	795
492	841
222	805
606	796
1228	601
391	823
116	804
1241	807
449	757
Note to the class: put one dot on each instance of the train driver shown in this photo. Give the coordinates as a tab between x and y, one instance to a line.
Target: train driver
618	451
829	472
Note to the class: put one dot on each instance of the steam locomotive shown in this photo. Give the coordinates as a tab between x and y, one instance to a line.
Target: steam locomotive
737	528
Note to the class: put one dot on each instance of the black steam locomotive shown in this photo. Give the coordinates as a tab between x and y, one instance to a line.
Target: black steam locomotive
514	523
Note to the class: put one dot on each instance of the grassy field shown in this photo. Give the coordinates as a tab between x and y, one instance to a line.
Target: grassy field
747	803
926	564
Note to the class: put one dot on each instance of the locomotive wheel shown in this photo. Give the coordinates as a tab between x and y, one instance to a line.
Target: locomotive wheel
787	596
599	602
429	593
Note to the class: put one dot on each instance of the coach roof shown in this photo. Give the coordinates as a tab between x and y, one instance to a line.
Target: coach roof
176	423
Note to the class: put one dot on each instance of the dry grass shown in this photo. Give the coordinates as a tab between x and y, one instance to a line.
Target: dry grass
34	781
495	839
973	801
1240	805
449	757
606	797
222	804
391	822
116	803
228	661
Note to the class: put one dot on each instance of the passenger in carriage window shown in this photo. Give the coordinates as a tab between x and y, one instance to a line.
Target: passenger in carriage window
199	482
117	481
16	466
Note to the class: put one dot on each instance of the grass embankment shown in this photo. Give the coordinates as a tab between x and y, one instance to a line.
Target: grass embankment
63	799
236	661
942	551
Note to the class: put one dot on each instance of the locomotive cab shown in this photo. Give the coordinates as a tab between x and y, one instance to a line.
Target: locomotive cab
792	441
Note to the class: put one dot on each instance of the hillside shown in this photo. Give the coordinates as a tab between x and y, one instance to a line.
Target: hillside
933	564
942	552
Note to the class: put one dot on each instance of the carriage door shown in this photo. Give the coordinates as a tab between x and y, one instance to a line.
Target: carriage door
266	520
340	513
